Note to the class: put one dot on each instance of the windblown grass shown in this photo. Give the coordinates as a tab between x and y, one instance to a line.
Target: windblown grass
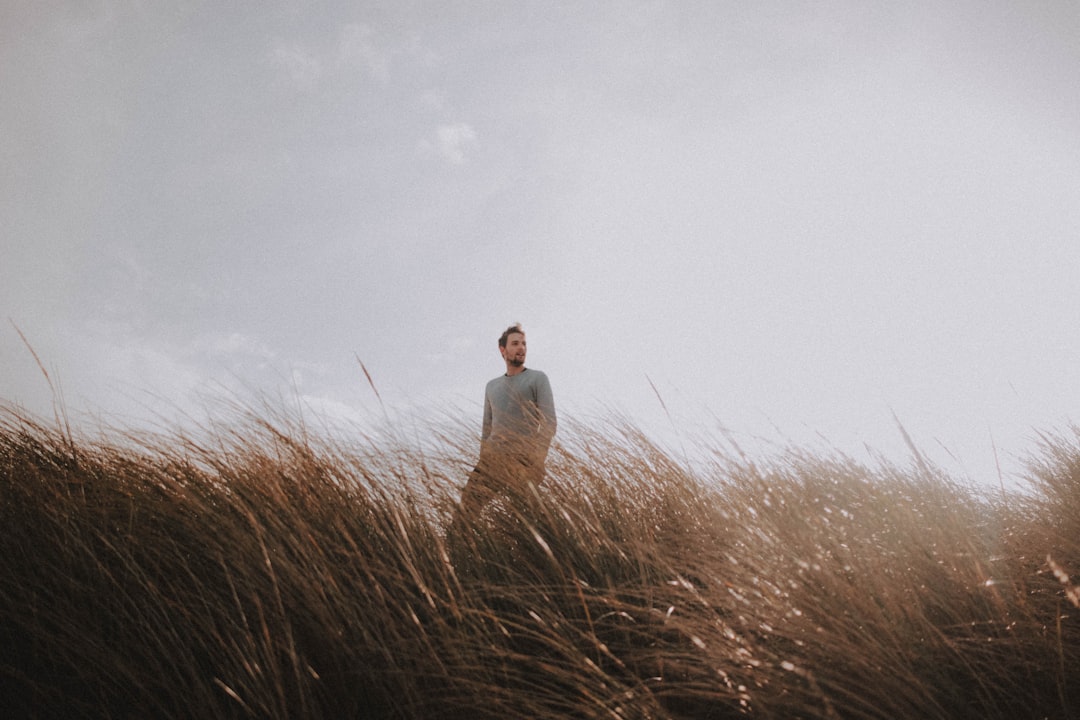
256	569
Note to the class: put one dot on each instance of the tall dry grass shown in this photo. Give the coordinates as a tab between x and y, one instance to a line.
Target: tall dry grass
256	568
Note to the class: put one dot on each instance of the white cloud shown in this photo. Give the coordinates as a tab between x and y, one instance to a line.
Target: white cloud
129	379
236	345
302	67
434	100
335	412
356	46
450	142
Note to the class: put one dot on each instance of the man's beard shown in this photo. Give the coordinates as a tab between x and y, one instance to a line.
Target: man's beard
517	362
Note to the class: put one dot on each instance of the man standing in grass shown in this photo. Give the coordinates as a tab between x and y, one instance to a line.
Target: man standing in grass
519	423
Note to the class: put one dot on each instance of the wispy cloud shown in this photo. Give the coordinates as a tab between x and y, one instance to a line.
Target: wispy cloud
236	346
301	66
450	142
355	46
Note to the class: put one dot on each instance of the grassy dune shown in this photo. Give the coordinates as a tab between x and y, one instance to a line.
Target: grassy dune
258	569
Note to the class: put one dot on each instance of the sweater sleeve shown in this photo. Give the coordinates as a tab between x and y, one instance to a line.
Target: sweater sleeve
485	432
545	404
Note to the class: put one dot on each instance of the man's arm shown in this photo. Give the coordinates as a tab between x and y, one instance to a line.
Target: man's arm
545	405
485	432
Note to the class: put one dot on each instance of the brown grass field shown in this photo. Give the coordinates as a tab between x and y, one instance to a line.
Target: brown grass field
256	568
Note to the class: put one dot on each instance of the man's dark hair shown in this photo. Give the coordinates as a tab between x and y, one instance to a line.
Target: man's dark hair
515	328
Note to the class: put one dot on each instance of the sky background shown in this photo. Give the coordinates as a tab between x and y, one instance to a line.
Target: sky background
794	220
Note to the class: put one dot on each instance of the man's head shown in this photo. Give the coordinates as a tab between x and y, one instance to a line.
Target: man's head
514	329
512	346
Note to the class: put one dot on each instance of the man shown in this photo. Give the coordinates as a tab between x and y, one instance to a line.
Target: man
519	423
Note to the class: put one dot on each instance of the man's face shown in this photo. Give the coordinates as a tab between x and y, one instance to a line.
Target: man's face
514	352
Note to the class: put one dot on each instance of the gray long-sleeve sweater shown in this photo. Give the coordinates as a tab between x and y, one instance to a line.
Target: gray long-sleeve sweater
519	414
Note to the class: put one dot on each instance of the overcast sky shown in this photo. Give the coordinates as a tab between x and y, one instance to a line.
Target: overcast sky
794	219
